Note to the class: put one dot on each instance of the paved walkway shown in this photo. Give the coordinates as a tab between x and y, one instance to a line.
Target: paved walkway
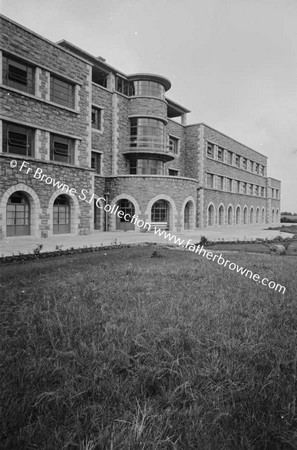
14	245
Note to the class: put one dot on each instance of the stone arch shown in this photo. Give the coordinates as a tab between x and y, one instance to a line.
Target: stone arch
111	218
251	215
211	215
74	211
36	210
272	215
245	215
230	219
221	215
192	213
238	215
258	215
263	220
172	210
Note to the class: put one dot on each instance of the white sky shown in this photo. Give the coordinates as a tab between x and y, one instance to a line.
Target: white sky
233	63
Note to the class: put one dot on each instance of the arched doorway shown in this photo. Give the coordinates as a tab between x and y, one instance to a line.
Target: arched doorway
257	215
237	215
230	214
160	212
97	216
221	215
252	215
61	215
128	208
245	216
211	216
18	215
187	215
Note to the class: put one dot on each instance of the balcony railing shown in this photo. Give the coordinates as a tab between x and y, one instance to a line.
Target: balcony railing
150	144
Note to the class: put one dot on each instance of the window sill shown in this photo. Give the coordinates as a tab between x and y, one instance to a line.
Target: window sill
34	97
97	131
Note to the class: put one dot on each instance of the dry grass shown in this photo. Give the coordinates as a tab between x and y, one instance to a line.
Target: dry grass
124	351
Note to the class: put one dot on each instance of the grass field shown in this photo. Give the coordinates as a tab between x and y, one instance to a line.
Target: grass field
119	350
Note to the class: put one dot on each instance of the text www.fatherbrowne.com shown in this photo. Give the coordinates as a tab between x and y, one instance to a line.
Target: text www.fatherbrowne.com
84	194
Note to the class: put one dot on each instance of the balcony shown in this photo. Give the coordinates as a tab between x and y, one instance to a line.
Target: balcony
149	145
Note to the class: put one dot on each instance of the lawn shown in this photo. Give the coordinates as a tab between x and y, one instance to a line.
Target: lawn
121	350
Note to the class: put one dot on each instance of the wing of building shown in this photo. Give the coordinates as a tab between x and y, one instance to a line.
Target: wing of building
77	135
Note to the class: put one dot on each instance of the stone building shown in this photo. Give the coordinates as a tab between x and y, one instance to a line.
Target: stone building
77	135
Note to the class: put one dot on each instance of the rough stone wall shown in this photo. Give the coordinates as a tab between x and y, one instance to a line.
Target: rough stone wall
147	106
177	130
217	198
123	131
191	152
102	140
143	189
77	178
32	109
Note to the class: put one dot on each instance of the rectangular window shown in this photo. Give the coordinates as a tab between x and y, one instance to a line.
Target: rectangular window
210	179
256	168
18	75
210	149
262	170
220	183
18	140
237	186
124	86
250	192
229	184
251	166
62	92
237	160
262	192
220	154
96	118
96	162
257	191
173	144
229	157
62	149
244	188
173	173
244	163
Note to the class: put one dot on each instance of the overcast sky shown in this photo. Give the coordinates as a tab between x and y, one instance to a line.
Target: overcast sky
233	63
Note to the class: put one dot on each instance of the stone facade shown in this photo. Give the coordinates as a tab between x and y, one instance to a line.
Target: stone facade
68	122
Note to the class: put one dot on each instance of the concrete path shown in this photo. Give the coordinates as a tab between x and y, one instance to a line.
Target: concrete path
27	244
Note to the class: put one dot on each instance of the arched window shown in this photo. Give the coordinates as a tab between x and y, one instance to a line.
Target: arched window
245	216
61	215
188	213
18	215
272	216
160	211
252	215
221	215
230	214
210	216
257	215
263	215
238	215
124	222
277	216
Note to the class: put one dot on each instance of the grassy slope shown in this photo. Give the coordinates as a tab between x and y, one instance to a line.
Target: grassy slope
124	351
